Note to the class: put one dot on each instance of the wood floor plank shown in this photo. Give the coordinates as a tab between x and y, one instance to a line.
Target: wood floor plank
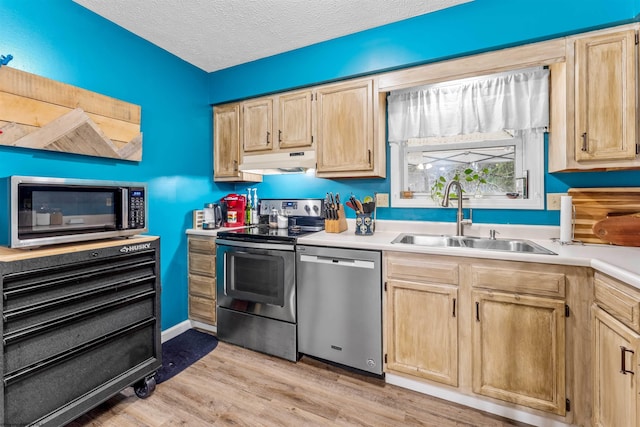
233	386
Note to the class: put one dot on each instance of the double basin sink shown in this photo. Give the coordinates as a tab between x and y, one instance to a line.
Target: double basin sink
445	241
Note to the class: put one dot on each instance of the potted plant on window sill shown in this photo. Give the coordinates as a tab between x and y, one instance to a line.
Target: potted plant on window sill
469	176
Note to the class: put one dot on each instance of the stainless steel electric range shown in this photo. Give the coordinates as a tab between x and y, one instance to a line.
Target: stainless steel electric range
256	278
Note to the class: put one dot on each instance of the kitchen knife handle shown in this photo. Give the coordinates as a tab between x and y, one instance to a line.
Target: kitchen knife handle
584	141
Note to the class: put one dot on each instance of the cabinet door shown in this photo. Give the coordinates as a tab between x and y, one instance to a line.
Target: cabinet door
257	125
226	125
519	350
605	97
345	127
422	330
295	120
615	365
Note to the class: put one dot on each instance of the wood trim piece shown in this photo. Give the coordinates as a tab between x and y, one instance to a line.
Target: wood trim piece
9	254
39	88
409	266
39	113
543	53
525	281
618	299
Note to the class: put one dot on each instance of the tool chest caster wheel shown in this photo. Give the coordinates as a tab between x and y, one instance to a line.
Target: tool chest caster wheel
145	387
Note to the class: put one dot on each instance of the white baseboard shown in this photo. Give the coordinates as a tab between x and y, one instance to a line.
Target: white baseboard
203	326
181	327
473	402
176	330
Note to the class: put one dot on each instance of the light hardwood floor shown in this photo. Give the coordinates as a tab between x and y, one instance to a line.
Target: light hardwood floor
239	387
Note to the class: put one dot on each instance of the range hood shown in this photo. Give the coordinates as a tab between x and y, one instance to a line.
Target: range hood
279	163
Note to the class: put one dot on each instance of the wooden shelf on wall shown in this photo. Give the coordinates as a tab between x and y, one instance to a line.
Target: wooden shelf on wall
39	113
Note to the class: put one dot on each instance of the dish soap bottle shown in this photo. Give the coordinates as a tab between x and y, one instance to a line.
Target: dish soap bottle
255	219
248	208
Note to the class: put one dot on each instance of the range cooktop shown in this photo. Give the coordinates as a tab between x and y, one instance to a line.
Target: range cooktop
263	232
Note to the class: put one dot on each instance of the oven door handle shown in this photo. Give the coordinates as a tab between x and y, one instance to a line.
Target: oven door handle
255	245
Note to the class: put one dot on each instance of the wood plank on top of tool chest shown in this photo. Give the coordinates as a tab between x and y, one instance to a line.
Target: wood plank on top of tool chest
594	204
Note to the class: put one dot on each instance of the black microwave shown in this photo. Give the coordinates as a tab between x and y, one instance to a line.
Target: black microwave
46	211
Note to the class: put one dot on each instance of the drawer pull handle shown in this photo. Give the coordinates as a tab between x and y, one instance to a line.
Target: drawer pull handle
584	142
454	307
477	311
623	361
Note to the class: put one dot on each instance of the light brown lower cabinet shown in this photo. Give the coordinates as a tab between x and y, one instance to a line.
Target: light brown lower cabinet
616	343
510	332
519	349
615	366
423	342
202	279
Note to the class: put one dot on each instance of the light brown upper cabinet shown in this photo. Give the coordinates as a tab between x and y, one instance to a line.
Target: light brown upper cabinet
257	125
295	119
279	122
348	141
226	144
594	103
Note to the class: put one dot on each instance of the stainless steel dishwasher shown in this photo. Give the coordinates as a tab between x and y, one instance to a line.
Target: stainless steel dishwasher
340	306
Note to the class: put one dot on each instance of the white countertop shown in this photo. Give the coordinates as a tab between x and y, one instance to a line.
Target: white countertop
620	262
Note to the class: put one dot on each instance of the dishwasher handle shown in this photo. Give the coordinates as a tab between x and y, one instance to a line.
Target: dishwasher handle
344	262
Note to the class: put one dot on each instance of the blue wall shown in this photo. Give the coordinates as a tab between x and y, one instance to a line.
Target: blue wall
63	41
475	27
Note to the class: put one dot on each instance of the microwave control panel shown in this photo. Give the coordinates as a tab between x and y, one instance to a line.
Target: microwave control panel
136	208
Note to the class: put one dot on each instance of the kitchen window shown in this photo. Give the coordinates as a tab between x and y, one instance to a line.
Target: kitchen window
486	132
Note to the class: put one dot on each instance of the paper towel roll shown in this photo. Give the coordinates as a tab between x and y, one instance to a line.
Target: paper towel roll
566	219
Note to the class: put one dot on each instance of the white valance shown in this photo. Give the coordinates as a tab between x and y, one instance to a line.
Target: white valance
516	100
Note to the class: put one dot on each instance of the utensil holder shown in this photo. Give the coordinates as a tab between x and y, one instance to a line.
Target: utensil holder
365	224
336	225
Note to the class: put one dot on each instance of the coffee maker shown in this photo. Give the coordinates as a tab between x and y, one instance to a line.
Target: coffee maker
233	206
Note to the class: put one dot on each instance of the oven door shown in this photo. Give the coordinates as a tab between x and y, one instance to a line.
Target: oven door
256	278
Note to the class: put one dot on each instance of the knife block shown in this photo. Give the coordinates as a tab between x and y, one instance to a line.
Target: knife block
336	225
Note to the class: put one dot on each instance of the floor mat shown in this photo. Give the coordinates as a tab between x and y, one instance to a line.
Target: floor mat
181	351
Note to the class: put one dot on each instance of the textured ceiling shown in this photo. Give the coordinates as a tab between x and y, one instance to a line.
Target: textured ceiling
216	34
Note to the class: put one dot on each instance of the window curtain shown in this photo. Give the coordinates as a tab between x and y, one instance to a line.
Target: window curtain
516	100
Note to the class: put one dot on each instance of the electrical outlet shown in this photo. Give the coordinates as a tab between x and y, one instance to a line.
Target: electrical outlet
553	201
382	200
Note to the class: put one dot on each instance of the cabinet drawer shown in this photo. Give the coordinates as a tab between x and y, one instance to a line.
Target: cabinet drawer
202	264
618	299
202	286
418	267
529	279
202	309
206	245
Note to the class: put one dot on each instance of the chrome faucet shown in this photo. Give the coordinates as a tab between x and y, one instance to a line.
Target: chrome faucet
460	219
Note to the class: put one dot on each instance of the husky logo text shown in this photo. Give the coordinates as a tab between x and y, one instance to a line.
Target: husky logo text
133	248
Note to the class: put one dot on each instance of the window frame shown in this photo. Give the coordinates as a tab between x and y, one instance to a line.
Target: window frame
533	162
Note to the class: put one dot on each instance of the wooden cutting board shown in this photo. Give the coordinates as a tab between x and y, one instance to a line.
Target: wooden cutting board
596	204
620	230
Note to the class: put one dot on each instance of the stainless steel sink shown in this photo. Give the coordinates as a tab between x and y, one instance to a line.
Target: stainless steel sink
444	241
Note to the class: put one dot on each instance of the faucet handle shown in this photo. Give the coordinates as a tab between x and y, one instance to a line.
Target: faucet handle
468	221
492	234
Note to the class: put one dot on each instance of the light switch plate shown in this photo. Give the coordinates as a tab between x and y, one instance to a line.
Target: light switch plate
553	201
382	200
